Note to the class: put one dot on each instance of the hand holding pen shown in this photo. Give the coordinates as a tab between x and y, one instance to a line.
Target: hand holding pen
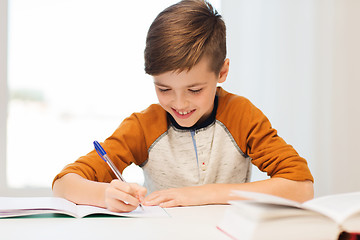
121	196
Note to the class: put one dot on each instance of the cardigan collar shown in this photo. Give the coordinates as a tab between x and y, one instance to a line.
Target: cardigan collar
197	125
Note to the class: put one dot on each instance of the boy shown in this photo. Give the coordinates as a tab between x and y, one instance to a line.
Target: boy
197	144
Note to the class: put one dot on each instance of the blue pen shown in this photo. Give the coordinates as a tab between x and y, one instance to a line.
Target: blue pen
99	149
105	157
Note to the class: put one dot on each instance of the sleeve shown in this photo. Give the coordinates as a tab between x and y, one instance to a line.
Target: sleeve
125	146
270	153
255	136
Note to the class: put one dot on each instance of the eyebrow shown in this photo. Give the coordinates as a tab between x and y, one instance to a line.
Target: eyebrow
189	86
160	84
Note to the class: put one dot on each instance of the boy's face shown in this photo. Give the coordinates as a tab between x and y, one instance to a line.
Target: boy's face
189	95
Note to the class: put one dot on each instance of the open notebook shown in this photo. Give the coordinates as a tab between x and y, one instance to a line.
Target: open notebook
24	206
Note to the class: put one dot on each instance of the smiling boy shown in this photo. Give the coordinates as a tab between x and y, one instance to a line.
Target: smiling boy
189	95
198	143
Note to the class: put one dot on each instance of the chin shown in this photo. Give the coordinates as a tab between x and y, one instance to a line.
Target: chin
183	124
187	125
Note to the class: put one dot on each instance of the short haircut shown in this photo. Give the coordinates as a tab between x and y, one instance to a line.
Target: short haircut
182	34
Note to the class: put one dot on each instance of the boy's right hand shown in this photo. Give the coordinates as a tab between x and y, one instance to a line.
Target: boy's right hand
123	197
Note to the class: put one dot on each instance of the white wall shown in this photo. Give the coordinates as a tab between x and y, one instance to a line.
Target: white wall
345	141
3	88
298	61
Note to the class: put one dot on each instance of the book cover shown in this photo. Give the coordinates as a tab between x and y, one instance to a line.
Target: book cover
264	216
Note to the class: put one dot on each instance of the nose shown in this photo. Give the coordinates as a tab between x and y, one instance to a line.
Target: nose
180	101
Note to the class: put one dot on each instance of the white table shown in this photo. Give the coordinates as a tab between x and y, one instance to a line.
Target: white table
185	223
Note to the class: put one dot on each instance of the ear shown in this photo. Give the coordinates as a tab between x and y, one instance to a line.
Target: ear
224	71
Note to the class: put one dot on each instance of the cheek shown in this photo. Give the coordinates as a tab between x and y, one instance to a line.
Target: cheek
163	100
206	102
206	99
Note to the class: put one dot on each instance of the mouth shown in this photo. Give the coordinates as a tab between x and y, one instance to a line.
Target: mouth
183	114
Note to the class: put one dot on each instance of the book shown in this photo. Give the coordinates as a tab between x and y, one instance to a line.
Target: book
25	206
264	216
349	236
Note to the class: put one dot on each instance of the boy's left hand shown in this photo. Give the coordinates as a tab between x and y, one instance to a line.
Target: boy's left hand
174	197
220	193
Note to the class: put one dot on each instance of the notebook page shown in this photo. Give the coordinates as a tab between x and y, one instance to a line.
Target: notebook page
148	211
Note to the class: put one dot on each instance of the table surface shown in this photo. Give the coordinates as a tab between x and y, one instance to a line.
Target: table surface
197	222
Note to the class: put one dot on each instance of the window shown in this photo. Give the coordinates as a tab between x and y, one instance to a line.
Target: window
74	71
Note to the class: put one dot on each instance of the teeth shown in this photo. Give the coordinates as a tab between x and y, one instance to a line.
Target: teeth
183	113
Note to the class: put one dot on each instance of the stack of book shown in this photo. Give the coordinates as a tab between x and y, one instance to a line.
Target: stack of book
264	217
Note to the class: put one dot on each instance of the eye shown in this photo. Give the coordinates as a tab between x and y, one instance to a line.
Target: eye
195	90
163	89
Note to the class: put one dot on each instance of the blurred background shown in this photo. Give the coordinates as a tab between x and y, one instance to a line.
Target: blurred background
72	70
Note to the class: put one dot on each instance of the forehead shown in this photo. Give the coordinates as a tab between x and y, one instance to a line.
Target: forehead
199	74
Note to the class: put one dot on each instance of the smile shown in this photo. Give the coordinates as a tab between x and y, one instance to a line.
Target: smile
183	114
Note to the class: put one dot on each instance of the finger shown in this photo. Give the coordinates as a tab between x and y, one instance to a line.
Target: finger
123	186
153	196
163	201
133	189
140	191
122	194
115	205
168	204
157	199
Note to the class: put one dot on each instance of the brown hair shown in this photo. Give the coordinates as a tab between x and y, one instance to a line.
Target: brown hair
182	34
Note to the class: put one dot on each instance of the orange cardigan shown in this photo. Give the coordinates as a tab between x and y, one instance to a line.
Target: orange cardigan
221	152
